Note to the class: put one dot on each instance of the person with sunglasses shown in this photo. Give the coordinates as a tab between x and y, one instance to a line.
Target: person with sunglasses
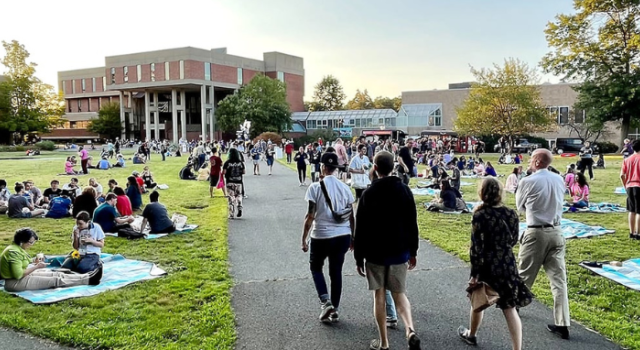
21	272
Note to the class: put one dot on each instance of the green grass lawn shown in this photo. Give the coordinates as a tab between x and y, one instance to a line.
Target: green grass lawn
596	302
188	309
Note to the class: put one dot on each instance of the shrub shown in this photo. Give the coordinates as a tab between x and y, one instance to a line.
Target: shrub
607	147
46	145
275	138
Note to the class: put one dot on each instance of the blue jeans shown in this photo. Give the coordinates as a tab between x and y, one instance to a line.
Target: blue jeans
87	263
334	249
581	204
391	306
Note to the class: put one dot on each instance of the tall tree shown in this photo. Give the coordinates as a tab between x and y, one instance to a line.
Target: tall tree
386	102
361	100
505	101
599	45
108	123
263	102
328	95
35	106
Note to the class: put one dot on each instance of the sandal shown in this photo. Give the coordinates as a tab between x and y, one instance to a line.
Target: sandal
376	345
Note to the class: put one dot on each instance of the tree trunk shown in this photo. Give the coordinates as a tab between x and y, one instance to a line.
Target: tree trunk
624	130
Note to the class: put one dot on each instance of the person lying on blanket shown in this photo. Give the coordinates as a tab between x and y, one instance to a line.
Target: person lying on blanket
21	272
157	216
88	240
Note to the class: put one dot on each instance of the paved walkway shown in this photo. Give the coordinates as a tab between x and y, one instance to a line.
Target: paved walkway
276	306
12	340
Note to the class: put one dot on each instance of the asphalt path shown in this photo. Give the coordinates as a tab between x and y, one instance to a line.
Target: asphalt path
276	305
12	340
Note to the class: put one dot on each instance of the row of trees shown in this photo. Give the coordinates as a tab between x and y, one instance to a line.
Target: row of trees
329	95
597	47
27	105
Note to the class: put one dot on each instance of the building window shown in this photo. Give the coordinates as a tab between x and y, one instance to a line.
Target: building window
72	125
139	72
181	69
113	76
239	76
579	116
104	83
64	90
207	71
281	76
166	71
73	86
126	74
79	105
93	84
564	115
99	103
153	72
69	105
84	86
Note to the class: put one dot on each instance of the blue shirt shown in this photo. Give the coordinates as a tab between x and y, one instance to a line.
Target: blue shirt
103	164
59	207
135	197
105	216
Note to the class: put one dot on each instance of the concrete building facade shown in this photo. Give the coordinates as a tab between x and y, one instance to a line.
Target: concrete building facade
169	94
559	99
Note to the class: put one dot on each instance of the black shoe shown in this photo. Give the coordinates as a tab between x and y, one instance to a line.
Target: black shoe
561	331
334	317
462	332
239	213
96	276
413	341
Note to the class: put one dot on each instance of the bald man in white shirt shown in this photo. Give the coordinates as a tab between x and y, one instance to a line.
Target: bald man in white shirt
541	196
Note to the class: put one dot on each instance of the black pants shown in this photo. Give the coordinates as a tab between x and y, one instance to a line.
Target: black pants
587	163
302	173
84	166
289	158
169	229
163	156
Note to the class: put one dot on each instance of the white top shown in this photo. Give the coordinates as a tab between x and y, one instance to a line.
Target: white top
95	232
360	180
324	226
98	188
541	196
77	189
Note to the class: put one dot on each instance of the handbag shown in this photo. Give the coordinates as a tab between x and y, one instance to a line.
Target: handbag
341	216
482	296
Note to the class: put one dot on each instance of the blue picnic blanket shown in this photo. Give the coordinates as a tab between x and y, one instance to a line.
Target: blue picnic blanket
425	192
627	275
620	190
574	229
118	272
429	183
601	208
185	229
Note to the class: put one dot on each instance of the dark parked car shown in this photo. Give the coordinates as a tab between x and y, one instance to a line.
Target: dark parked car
570	145
521	146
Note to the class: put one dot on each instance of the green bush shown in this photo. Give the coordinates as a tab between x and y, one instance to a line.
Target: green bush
607	147
46	145
20	148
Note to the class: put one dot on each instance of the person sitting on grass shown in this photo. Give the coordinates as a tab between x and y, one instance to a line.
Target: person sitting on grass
139	158
59	207
490	170
157	216
123	205
88	239
140	181
19	207
112	184
447	200
120	163
85	202
108	218
51	192
5	194
134	193
203	172
512	181
20	272
478	169
186	173
68	167
104	164
96	186
147	177
33	192
579	192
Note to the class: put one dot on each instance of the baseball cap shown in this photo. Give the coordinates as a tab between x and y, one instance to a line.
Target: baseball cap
135	172
330	159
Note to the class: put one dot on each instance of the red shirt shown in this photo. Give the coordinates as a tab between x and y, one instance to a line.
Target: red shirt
216	165
140	182
123	205
631	168
288	148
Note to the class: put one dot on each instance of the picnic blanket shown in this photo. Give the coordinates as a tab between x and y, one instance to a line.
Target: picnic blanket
620	190
574	229
602	208
469	176
429	183
180	222
425	192
118	272
627	275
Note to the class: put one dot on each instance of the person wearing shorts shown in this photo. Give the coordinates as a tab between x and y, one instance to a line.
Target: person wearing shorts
385	249
216	169
630	176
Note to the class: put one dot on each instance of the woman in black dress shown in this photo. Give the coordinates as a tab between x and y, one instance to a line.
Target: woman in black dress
494	233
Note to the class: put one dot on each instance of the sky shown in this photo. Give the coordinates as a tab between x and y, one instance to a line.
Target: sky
381	46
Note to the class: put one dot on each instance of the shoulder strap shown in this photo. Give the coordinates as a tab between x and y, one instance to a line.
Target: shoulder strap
326	195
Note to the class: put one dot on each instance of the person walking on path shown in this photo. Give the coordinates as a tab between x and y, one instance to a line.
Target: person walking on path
494	232
359	169
214	174
84	159
330	238
385	249
541	196
270	157
301	159
586	159
288	149
630	177
233	171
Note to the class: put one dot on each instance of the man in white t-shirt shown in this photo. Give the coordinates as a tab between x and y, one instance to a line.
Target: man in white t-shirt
329	238
359	169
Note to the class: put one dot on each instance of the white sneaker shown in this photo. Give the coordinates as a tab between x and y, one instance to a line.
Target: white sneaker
326	310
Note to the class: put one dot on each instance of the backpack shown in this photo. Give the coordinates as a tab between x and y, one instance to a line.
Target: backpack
130	233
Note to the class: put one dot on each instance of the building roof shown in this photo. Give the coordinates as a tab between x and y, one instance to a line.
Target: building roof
352	114
418	109
299	116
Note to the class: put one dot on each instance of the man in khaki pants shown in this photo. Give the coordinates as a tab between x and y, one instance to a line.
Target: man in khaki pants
541	196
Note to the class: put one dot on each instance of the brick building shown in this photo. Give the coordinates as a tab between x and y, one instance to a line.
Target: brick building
168	94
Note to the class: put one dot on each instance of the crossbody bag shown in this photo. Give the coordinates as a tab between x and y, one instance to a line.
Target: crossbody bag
341	216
